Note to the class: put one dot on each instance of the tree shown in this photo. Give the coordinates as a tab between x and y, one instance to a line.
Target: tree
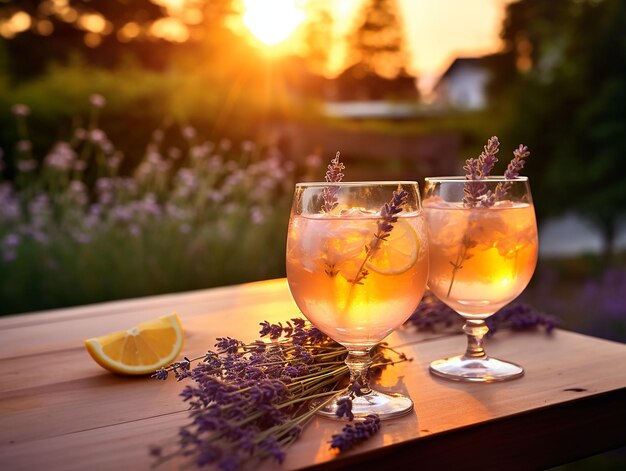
318	37
569	105
152	33
377	45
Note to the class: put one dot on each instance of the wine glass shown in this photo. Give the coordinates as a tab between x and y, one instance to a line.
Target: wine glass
357	264
483	252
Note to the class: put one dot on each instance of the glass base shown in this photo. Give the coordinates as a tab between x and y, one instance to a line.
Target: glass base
386	406
480	370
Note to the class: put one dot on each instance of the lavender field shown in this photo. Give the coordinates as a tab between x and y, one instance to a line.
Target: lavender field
74	229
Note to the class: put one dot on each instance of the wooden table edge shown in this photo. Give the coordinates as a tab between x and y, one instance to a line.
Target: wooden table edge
570	430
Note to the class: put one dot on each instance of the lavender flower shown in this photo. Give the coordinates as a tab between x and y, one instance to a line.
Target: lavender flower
344	408
520	316
24	146
249	401
388	216
333	175
20	110
476	193
97	101
353	434
512	171
433	315
81	221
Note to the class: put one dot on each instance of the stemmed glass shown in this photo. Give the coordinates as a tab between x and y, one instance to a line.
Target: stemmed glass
357	264
483	252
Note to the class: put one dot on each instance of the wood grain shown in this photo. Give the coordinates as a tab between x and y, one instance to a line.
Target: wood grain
61	411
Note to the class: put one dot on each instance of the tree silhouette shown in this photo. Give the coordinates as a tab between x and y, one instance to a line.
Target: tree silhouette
377	45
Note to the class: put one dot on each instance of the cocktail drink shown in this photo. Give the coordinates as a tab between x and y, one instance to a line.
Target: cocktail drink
358	271
481	258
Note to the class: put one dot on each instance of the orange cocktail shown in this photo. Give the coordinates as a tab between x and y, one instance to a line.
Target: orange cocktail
324	255
357	264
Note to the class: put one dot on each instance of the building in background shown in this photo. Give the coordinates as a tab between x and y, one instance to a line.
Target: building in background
464	84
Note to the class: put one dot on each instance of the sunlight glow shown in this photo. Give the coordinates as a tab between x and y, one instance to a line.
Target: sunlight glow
272	22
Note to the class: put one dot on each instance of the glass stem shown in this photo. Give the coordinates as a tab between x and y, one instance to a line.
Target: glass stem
475	330
359	362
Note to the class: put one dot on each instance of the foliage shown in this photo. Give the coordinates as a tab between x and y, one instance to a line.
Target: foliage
73	229
569	104
156	34
138	100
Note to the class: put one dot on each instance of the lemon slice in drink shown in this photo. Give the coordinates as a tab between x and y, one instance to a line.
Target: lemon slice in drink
142	349
398	253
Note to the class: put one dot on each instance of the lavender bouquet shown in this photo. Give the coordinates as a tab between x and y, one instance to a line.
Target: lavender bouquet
249	401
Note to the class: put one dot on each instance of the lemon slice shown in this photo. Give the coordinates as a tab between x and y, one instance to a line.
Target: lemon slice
141	349
398	253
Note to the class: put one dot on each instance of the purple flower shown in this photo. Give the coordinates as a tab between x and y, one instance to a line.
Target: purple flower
476	193
344	408
432	314
333	175
24	146
61	157
227	345
20	110
26	165
267	391
274	331
189	132
512	171
97	101
207	454
248	146
97	136
520	316
388	213
251	398
388	216
11	240
231	462
353	434
270	446
161	373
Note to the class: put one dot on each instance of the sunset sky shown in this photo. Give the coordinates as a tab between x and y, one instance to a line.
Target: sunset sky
438	31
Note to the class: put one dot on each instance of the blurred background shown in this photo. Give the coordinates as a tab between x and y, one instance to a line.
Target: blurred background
151	146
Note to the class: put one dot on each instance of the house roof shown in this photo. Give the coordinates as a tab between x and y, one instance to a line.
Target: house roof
459	62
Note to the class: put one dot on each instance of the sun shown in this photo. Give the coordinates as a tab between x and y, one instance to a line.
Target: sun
272	21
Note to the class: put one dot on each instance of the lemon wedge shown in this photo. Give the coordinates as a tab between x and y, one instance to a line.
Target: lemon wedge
398	253
142	349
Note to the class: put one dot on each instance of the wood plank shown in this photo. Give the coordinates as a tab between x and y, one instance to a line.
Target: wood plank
56	400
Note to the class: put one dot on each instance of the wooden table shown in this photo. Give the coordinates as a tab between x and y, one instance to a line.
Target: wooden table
60	411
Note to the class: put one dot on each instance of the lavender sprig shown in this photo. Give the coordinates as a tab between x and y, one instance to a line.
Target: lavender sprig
333	175
512	171
353	434
475	193
249	401
388	216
